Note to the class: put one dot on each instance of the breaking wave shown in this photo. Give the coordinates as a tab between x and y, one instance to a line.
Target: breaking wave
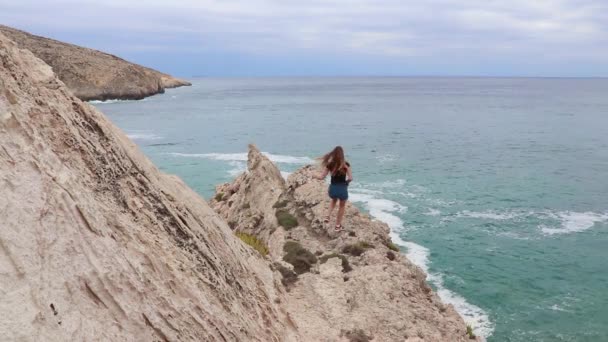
384	210
277	158
142	135
573	222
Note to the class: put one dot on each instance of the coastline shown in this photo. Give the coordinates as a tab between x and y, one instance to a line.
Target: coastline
376	205
117	240
473	315
93	75
250	204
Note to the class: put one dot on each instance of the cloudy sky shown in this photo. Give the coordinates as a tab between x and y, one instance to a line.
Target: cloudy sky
339	37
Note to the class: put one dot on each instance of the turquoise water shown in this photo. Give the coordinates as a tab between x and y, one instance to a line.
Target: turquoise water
498	188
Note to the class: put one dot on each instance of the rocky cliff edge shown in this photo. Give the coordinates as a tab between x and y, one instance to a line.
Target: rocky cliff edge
352	285
97	245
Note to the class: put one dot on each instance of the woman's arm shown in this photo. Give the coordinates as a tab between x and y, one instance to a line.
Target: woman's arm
349	174
322	175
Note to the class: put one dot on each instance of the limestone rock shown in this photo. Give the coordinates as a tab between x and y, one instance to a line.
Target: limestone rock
97	245
91	74
382	298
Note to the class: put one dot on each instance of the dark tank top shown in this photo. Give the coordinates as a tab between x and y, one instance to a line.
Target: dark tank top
340	176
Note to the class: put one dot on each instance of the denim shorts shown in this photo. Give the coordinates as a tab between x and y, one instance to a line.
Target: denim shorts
338	191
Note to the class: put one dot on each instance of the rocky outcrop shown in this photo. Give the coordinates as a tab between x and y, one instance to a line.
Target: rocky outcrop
97	245
358	287
91	74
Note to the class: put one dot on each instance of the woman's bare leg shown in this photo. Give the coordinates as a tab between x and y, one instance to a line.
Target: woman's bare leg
332	205
341	212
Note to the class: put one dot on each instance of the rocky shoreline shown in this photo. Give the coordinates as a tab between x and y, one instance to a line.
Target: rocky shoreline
96	244
94	75
340	284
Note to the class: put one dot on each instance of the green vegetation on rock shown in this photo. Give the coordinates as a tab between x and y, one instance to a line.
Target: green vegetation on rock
288	276
301	258
286	220
392	246
254	242
357	335
345	264
470	332
280	204
356	249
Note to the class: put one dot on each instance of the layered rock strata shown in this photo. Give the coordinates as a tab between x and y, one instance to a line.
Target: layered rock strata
97	245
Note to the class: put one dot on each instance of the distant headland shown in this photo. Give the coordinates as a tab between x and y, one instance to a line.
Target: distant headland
92	74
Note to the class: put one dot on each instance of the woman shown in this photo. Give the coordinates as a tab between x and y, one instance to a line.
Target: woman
341	174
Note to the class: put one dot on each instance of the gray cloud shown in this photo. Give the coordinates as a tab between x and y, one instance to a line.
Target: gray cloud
516	30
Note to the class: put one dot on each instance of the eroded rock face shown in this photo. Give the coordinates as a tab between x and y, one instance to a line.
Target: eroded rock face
383	297
97	245
91	74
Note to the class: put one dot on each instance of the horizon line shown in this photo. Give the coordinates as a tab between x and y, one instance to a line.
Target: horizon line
390	76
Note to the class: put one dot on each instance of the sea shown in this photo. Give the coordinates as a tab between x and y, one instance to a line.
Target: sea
496	187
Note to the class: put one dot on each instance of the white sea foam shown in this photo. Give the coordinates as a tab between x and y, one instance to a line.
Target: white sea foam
104	102
364	191
490	214
112	101
142	135
390	184
439	202
433	212
238	167
277	158
285	174
404	194
378	205
572	222
472	314
513	235
393	187
384	210
568	221
386	158
238	161
556	307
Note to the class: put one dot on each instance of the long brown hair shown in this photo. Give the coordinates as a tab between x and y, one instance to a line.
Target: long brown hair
334	161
